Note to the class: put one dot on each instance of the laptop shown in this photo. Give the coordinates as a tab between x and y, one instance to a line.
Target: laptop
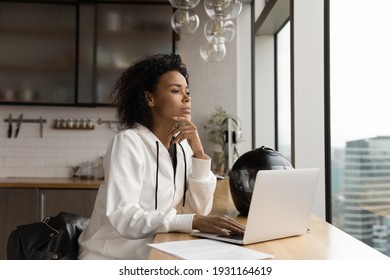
281	206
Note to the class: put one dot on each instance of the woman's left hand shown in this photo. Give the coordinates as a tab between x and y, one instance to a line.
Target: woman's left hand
187	130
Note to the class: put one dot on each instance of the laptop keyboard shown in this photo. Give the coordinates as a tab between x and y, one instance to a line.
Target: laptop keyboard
235	236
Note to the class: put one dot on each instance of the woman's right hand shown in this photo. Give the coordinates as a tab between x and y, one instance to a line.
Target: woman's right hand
221	225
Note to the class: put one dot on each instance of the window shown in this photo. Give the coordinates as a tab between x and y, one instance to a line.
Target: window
283	91
360	117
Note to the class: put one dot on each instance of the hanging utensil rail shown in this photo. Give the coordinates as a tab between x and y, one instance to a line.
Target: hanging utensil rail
7	120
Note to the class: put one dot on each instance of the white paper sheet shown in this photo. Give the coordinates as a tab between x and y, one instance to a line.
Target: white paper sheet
205	249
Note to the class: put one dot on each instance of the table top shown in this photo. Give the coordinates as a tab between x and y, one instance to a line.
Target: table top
53	183
323	242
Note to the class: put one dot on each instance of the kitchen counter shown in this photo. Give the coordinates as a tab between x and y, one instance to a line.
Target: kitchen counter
49	183
29	200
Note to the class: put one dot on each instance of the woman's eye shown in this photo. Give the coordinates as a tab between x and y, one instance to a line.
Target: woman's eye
188	92
175	91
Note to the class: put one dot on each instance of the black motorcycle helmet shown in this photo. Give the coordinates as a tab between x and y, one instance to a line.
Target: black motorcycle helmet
244	171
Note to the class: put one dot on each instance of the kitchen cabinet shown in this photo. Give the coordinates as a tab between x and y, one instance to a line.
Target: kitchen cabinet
37	53
25	205
123	34
17	207
76	201
73	53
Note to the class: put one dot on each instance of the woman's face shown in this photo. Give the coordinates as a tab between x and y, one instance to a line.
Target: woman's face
171	97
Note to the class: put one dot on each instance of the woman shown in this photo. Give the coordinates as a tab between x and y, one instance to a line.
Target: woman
153	167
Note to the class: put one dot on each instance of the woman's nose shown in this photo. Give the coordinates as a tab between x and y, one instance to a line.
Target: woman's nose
186	98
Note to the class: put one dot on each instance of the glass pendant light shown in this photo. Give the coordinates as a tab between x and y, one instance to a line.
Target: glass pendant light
227	9
233	10
190	4
219	28
184	21
213	51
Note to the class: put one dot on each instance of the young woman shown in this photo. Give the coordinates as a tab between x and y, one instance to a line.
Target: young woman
157	176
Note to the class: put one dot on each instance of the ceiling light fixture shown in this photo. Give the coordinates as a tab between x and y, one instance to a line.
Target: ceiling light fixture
184	20
219	30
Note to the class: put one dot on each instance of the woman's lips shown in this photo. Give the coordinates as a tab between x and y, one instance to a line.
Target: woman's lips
186	110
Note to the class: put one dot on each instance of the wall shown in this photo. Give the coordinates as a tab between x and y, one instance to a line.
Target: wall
309	91
244	77
212	85
265	91
226	83
28	155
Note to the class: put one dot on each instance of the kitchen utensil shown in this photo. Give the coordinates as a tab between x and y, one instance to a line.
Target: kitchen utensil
10	126
18	124
40	127
76	170
86	170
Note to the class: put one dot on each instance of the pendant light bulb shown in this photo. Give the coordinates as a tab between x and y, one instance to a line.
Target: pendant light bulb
190	4
227	9
219	28
233	10
184	21
213	51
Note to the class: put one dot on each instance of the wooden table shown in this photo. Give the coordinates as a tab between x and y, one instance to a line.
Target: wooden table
51	183
323	242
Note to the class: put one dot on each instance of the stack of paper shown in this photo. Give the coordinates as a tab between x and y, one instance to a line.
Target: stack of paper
205	249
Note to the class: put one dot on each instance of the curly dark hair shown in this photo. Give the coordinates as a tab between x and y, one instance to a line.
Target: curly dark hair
144	75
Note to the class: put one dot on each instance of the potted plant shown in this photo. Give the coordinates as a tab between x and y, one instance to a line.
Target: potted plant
216	136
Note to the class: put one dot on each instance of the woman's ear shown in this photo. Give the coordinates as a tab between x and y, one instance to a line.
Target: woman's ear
149	98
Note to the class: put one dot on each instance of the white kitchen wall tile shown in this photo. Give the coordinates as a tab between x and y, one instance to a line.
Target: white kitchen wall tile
26	172
15	142
3	131
75	133
90	153
36	163
77	142
58	150
45	172
46	152
28	130
36	142
15	162
7	172
7	152
56	142
25	152
102	151
70	152
56	162
97	142
73	161
63	172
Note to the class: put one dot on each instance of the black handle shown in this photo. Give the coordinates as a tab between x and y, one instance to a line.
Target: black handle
10	129
19	123
17	132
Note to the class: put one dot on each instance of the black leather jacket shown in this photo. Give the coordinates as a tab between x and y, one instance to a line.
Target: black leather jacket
55	238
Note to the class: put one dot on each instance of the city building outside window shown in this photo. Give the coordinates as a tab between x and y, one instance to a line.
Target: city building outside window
359	52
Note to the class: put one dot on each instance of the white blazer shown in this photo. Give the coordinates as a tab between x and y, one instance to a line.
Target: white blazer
140	193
